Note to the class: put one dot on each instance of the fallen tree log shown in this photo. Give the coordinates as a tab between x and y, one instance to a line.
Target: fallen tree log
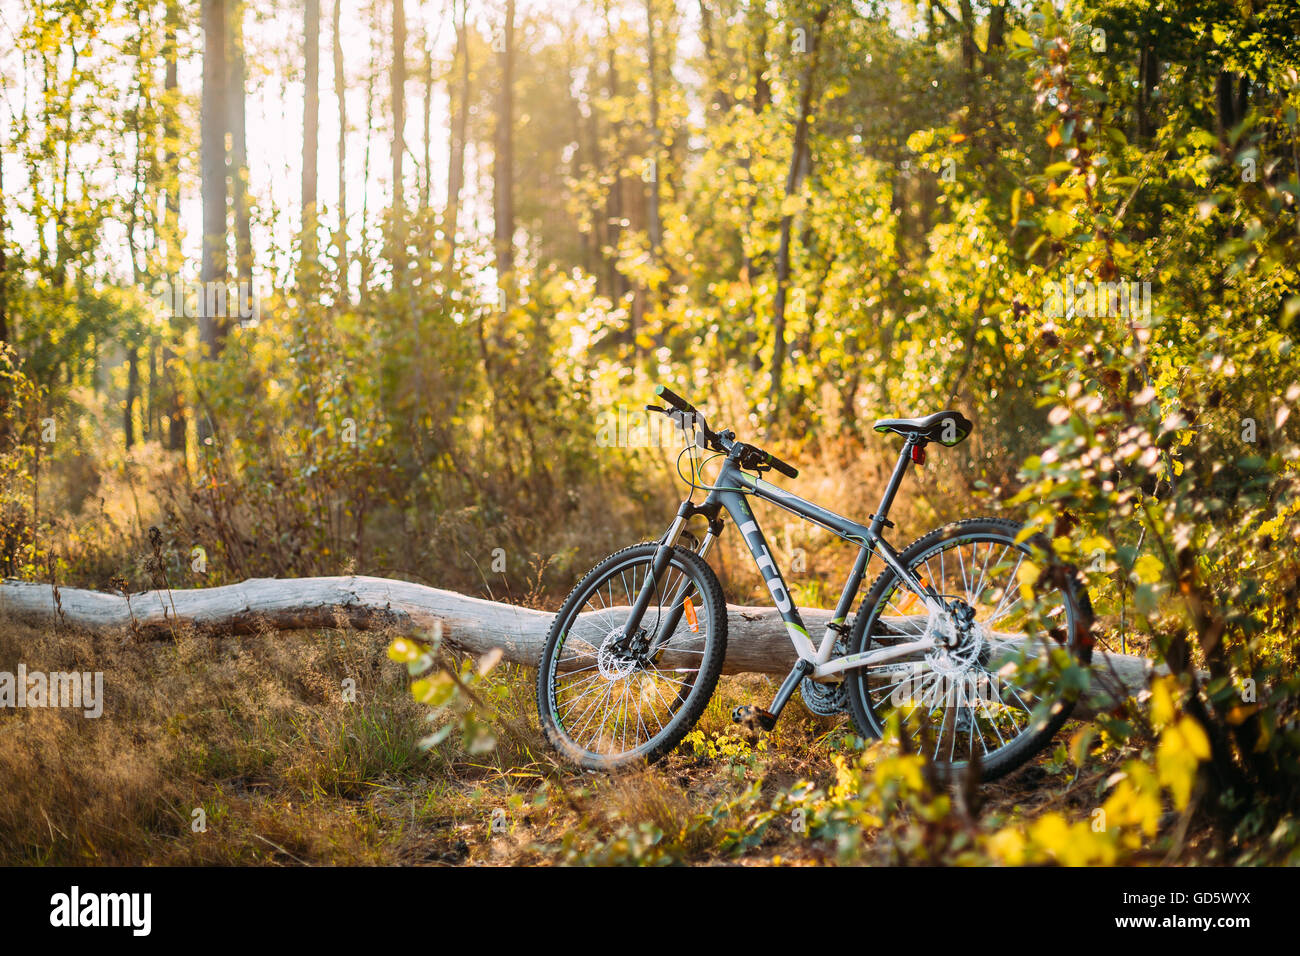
757	640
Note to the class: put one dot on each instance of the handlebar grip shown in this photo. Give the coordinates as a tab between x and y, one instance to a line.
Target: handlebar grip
672	398
788	470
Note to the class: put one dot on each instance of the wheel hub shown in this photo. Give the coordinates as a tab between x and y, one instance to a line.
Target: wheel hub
959	641
613	659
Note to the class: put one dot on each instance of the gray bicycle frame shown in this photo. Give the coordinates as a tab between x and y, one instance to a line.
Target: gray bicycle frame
729	492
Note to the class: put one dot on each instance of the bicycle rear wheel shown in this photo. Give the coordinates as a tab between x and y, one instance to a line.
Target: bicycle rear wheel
994	688
603	700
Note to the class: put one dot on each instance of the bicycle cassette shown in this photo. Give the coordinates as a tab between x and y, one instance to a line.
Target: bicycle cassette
825	700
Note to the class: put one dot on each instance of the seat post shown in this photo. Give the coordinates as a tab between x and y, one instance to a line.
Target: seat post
879	520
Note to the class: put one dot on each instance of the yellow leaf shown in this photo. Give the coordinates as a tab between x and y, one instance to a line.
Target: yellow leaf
1094	543
403	650
1162	701
1051	832
1019	37
1008	846
1148	569
1026	577
1194	737
792	205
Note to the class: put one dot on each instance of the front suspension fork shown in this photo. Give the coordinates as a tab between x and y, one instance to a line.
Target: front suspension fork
657	577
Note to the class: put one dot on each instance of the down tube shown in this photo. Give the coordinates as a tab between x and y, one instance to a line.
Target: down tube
747	524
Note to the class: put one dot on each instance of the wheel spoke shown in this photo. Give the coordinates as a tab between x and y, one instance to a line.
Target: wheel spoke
973	705
609	700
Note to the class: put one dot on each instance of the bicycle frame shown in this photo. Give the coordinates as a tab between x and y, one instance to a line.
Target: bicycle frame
728	493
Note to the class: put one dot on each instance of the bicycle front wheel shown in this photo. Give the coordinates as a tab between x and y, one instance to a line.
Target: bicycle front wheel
994	687
607	699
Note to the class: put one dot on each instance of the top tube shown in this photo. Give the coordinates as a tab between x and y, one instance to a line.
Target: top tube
837	524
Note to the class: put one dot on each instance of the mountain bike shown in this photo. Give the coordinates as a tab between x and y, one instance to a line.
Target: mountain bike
973	635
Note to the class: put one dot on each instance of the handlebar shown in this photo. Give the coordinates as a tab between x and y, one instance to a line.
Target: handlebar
673	399
747	456
772	461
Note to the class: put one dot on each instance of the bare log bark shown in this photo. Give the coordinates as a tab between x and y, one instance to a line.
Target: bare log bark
756	636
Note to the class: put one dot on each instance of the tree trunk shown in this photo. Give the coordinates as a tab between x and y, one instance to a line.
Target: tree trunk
176	426
614	198
459	105
310	130
757	640
340	94
503	176
426	177
132	394
239	154
397	238
654	224
4	294
800	158
150	427
363	248
4	315
212	161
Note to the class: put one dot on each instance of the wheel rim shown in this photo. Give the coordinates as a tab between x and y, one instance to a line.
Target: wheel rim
606	701
988	686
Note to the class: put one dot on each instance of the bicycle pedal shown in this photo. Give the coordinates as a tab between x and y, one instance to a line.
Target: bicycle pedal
749	714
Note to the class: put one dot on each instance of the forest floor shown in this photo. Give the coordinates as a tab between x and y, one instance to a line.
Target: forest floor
244	750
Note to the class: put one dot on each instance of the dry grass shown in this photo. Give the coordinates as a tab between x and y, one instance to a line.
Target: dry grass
256	733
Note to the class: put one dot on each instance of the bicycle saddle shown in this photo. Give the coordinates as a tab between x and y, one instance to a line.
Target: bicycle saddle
947	427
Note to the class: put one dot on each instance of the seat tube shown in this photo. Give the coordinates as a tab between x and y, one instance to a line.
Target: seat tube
895	480
844	605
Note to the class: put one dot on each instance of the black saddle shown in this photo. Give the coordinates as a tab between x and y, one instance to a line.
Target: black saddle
947	428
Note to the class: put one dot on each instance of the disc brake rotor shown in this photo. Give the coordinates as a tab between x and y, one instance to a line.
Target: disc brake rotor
612	662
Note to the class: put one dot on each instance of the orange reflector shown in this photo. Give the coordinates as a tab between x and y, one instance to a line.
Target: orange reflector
911	597
691	620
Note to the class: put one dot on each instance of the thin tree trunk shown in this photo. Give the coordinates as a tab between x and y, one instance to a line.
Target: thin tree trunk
363	252
4	313
132	393
503	180
614	198
176	424
654	225
459	105
399	101
212	161
4	295
310	131
800	158
426	177
239	153
150	427
340	94
721	96
139	198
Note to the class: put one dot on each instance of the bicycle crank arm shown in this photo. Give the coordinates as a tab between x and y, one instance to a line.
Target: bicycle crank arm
767	718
